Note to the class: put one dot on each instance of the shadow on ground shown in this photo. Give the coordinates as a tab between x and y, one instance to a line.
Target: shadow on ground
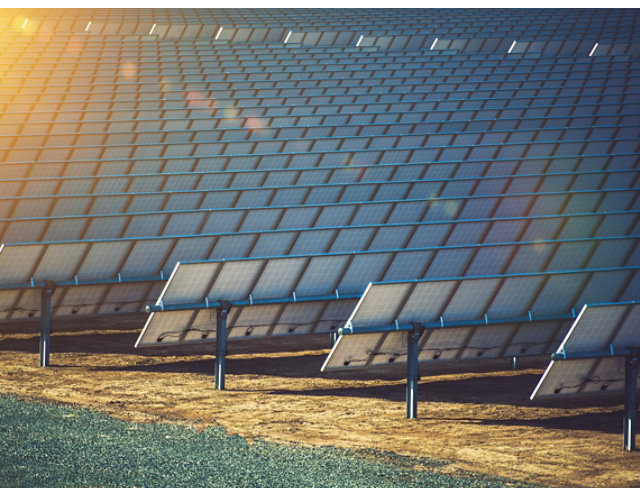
473	382
478	387
123	342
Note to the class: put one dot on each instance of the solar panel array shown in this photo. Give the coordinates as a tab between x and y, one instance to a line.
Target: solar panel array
379	144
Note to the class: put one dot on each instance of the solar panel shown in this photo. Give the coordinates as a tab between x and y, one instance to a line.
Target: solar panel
288	278
458	312
163	329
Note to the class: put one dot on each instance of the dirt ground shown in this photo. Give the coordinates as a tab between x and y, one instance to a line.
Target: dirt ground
477	415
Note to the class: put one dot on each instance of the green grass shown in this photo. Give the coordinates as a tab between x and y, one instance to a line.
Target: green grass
47	445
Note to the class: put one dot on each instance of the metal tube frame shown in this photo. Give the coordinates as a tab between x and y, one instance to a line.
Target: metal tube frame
413	372
251	302
442	324
631	358
630	400
222	313
45	321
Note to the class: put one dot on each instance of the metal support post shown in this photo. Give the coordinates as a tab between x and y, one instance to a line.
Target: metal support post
413	375
515	363
221	343
334	338
45	321
630	399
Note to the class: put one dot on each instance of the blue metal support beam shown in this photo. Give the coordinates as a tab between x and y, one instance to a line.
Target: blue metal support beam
45	321
441	324
89	282
610	352
221	343
251	302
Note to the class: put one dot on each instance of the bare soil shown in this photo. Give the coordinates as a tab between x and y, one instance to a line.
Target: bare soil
477	415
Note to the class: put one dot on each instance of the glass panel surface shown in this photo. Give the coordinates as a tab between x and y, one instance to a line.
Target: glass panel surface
60	262
379	305
235	280
189	283
321	275
278	278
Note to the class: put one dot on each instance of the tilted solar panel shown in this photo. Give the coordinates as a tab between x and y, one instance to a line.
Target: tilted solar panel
468	318
598	328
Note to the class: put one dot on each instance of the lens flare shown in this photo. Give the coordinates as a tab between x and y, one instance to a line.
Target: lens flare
539	246
74	46
197	100
166	85
352	171
24	24
254	124
230	112
45	35
128	70
444	208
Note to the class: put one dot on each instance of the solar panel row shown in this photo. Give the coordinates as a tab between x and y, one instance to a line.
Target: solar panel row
539	25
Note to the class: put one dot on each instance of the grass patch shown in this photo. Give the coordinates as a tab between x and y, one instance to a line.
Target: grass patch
49	445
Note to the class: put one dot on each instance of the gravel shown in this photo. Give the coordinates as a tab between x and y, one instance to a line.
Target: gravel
49	445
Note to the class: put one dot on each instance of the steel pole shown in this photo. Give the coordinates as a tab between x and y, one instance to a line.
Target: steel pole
45	322
413	375
630	400
221	343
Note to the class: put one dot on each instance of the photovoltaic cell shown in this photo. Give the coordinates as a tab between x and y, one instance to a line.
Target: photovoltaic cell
145	257
363	268
378	303
189	283
279	277
102	262
321	275
60	262
18	262
234	280
515	296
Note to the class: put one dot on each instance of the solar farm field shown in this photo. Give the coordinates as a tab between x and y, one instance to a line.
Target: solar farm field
476	425
291	241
